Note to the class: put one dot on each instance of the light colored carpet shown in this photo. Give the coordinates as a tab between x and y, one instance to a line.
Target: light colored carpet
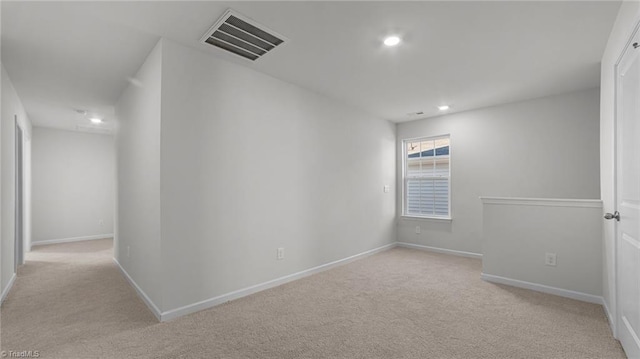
70	301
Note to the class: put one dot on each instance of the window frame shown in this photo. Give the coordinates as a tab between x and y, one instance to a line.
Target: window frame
404	143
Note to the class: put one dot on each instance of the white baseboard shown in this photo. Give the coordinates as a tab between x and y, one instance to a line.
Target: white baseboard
145	298
590	298
612	323
440	250
72	239
6	289
212	302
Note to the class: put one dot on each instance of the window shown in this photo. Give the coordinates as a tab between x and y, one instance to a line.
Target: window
426	176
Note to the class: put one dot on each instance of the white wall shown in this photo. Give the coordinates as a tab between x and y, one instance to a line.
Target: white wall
545	148
628	17
2	72
27	215
251	163
517	233
137	227
72	184
11	106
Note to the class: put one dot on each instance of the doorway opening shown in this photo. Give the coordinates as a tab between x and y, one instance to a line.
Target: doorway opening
19	196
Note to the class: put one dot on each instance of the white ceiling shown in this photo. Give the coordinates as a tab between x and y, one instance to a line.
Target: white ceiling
63	56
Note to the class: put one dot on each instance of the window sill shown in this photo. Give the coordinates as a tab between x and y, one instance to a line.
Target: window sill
418	218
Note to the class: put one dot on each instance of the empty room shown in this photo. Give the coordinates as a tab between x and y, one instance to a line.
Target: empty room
320	179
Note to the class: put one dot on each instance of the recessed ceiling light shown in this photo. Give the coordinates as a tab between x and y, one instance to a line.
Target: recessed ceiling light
96	120
392	41
443	107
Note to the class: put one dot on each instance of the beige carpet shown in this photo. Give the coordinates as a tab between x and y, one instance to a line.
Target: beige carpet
70	301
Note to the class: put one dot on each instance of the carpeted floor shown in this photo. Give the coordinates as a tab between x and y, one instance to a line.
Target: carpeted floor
70	301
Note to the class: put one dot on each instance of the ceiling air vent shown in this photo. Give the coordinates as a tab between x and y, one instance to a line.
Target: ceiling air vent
242	36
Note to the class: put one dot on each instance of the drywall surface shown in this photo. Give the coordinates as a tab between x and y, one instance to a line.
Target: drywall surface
2	73
628	18
27	188
72	184
519	233
137	230
251	164
542	148
12	109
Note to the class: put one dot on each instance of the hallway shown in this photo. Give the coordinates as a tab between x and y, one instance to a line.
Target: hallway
67	294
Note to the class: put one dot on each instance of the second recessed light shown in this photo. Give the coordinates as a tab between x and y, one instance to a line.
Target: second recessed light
443	107
392	40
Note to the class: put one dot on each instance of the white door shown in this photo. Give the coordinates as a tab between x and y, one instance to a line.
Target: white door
628	198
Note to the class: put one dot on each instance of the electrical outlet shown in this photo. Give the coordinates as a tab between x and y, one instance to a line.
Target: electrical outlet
128	251
550	259
417	229
280	253
385	188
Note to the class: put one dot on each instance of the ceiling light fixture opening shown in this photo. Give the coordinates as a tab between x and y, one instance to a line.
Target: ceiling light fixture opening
392	40
443	107
96	120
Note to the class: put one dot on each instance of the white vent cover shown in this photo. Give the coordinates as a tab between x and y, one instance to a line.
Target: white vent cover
242	36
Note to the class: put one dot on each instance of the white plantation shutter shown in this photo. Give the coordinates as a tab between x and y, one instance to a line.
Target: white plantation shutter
427	177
